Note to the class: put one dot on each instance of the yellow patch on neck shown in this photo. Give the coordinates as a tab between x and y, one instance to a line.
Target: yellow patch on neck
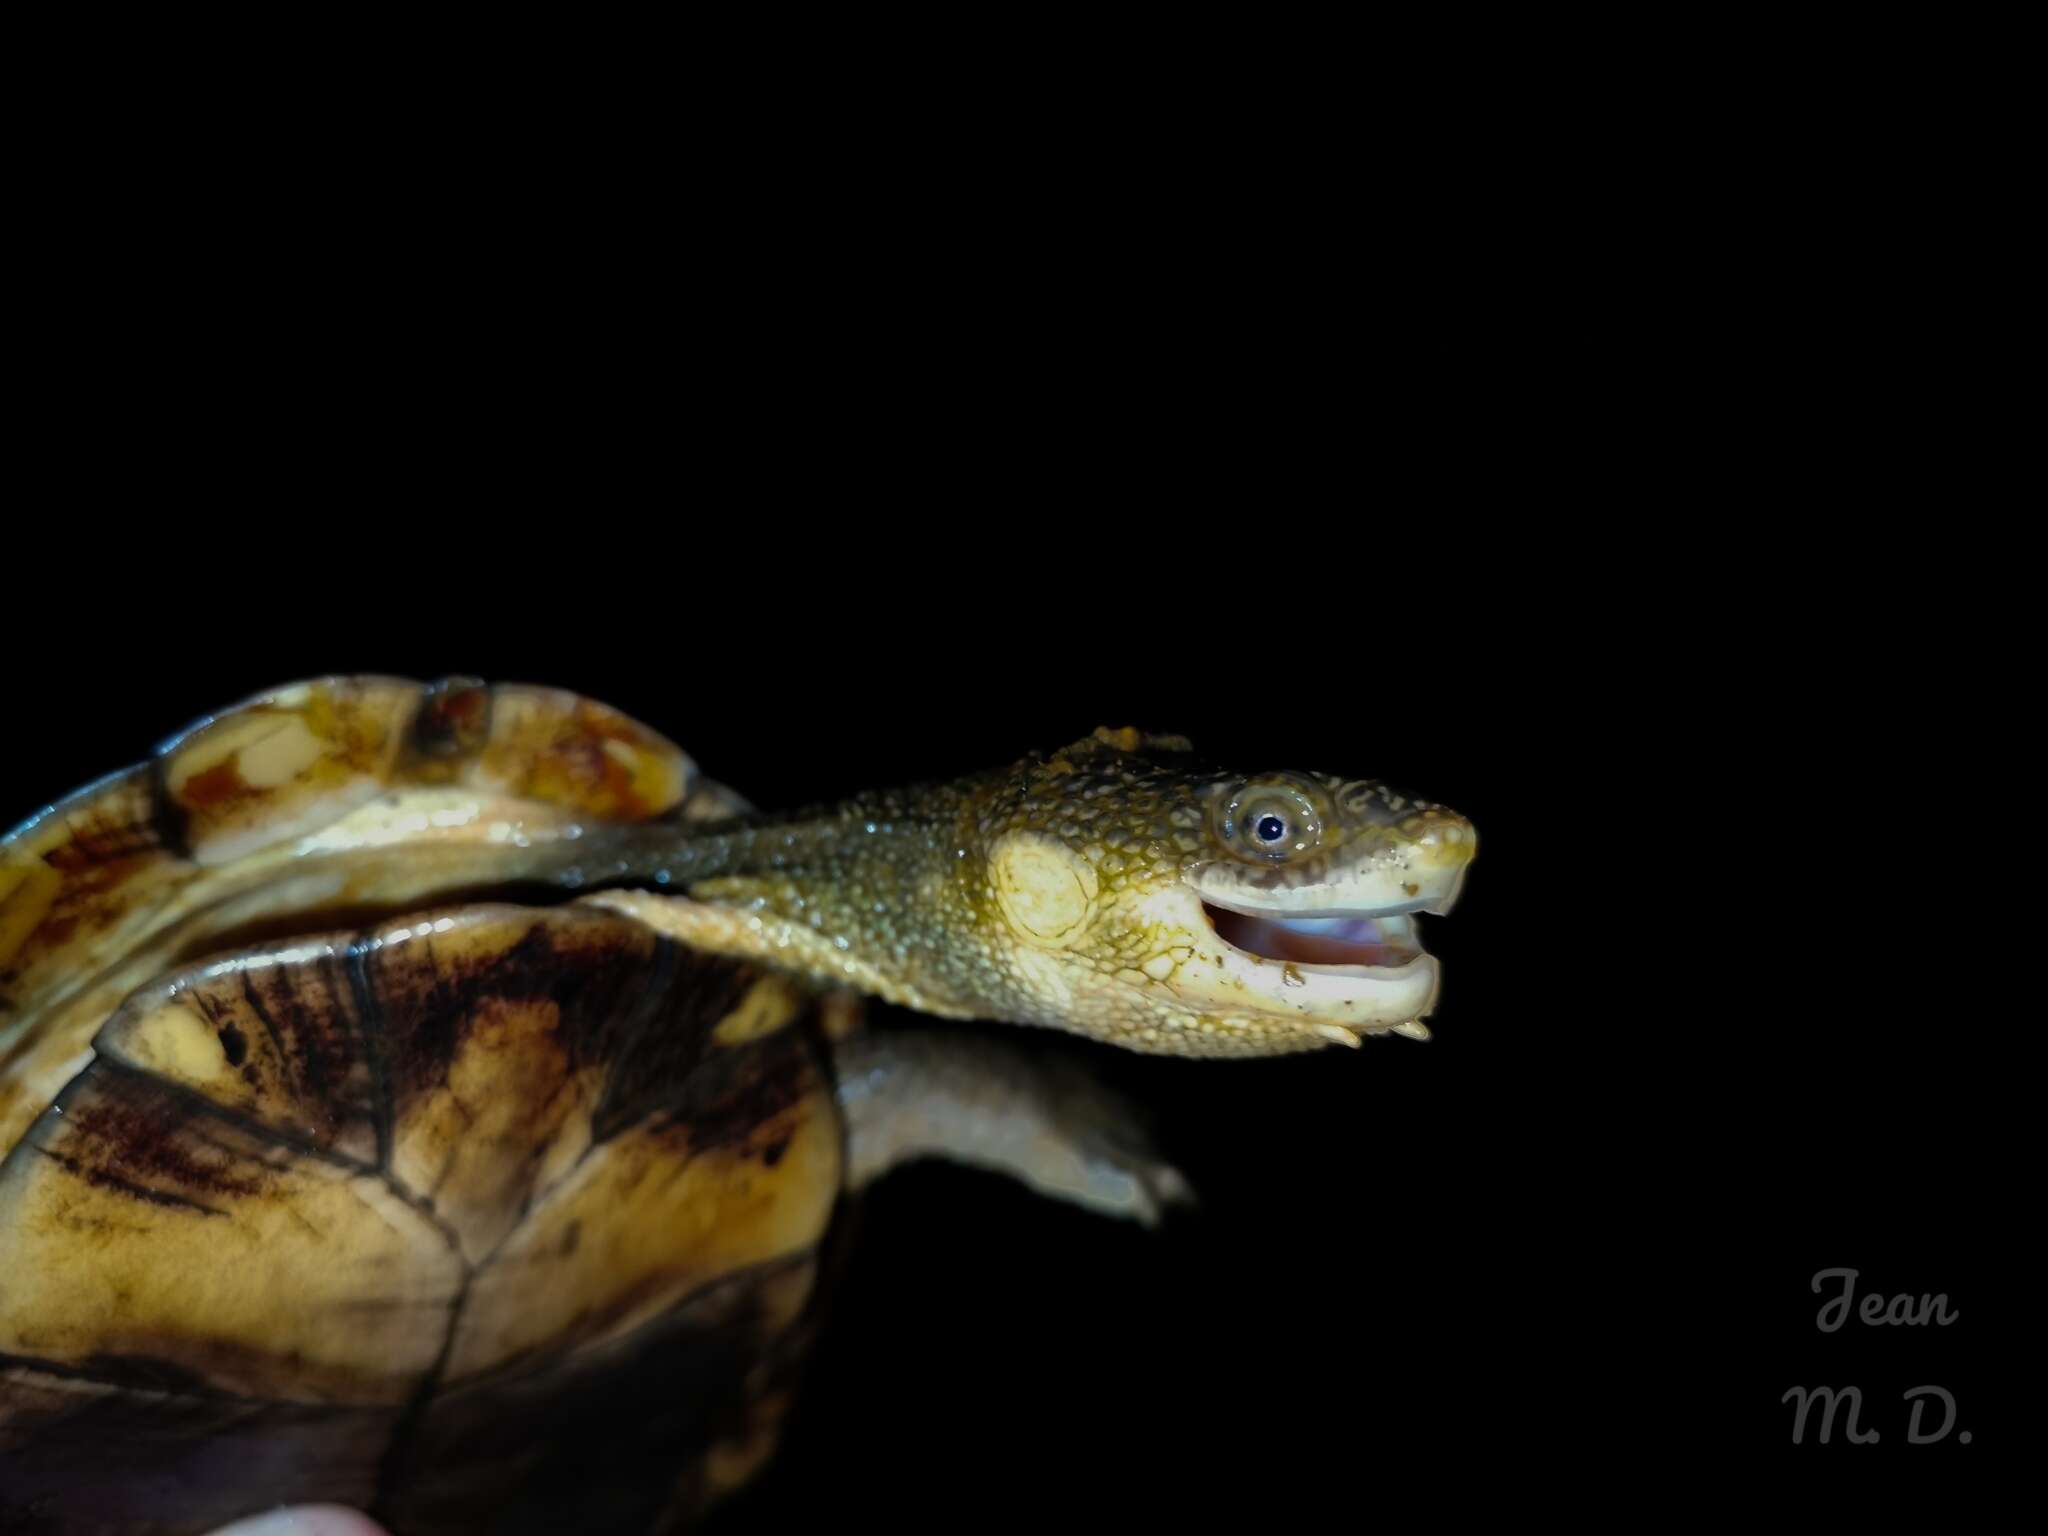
1046	891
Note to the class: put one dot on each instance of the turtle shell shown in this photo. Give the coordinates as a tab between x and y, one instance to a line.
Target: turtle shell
489	1216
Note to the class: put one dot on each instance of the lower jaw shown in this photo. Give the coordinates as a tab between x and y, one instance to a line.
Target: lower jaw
1340	1004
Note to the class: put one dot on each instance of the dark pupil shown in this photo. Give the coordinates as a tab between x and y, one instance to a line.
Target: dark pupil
1269	829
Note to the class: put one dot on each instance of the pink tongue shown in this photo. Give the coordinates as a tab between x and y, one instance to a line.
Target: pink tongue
1354	943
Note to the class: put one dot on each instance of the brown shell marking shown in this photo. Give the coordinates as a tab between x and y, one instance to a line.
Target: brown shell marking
343	793
418	1179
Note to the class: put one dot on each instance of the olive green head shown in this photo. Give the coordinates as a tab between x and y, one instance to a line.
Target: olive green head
1137	894
1120	888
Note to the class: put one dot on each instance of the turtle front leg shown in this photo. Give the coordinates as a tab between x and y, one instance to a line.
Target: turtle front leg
982	1101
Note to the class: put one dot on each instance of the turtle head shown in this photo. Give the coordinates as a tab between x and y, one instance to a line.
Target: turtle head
1138	895
1118	888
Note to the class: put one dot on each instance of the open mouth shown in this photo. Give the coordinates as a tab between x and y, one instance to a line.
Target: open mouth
1387	941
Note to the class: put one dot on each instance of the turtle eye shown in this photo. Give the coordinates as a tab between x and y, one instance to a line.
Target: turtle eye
1270	821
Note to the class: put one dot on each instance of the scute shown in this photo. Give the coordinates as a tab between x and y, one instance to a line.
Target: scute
143	1237
340	794
742	1174
500	1443
571	1156
503	1031
281	764
484	1211
274	1037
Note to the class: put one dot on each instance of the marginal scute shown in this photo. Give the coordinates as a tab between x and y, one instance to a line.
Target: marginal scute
563	749
452	724
292	761
82	864
284	763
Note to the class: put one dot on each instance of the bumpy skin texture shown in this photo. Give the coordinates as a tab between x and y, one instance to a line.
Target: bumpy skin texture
1068	891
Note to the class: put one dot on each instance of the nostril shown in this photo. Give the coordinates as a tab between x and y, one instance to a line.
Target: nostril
1447	837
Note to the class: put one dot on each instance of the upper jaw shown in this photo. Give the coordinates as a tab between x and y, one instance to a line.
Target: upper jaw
1313	911
1391	877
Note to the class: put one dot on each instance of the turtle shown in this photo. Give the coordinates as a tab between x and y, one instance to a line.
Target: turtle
443	1099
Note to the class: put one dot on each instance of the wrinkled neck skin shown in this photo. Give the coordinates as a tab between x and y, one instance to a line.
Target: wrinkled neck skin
1089	890
873	893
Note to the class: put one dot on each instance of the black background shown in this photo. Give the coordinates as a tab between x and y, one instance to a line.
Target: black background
1574	1232
1603	556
